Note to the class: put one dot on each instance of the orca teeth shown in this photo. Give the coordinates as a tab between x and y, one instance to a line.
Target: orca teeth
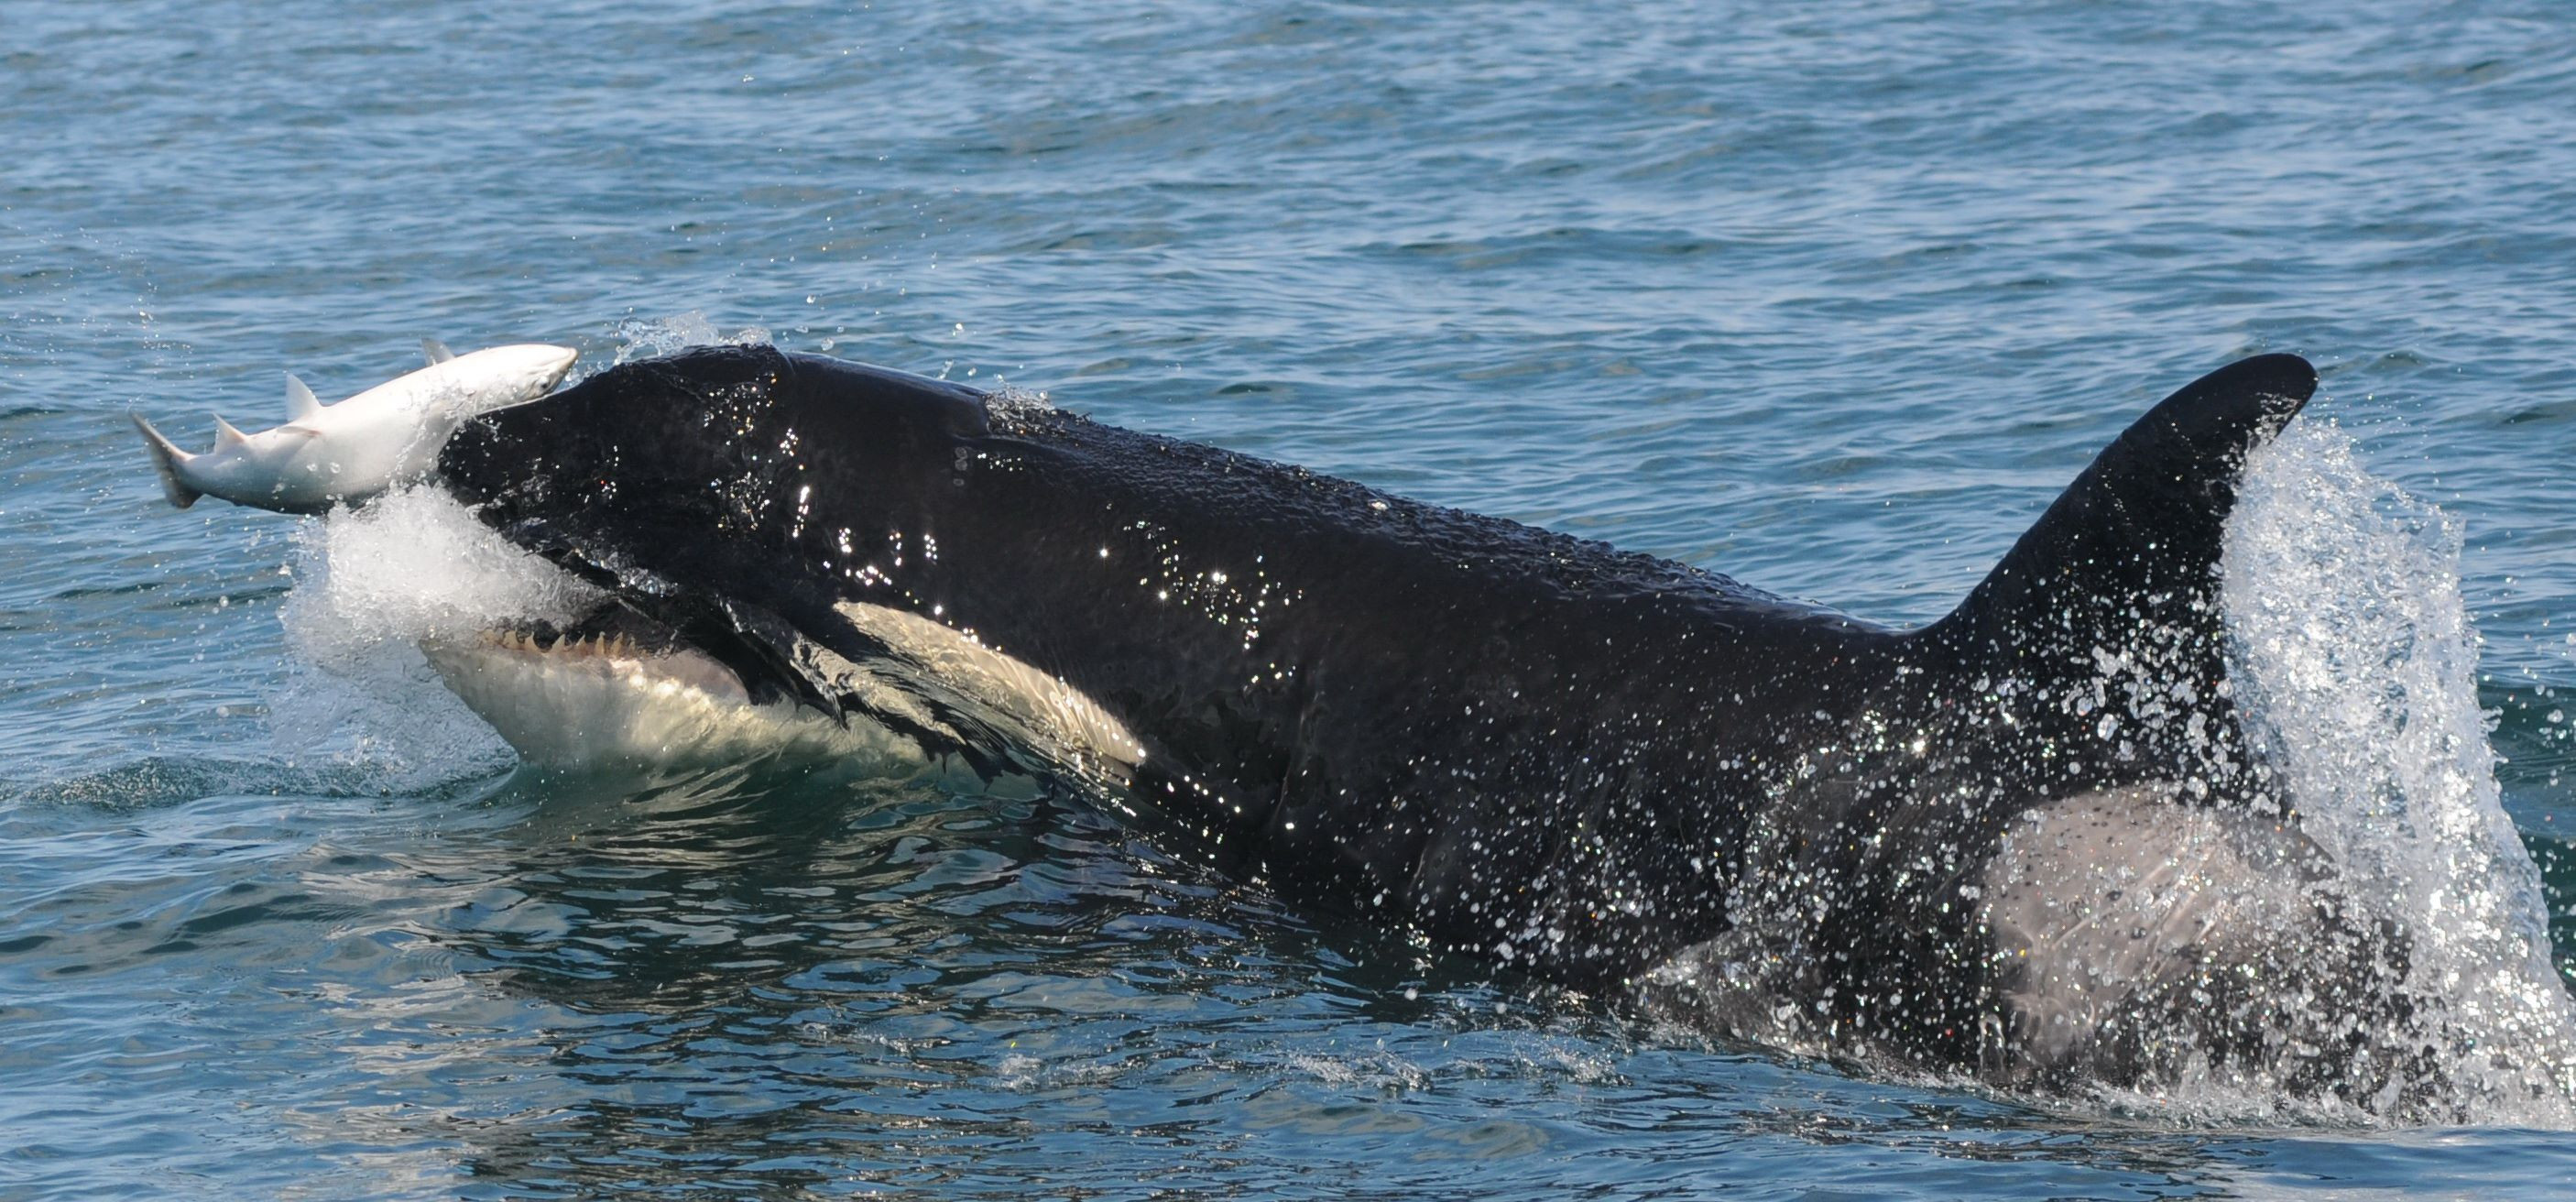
544	639
545	642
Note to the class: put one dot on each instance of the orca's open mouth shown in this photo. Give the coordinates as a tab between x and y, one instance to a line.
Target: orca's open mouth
617	643
616	688
613	632
619	686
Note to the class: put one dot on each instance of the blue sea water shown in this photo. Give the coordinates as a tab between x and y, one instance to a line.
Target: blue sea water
1832	298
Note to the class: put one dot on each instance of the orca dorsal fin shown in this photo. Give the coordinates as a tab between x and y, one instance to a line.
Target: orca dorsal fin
226	436
2119	579
435	351
300	401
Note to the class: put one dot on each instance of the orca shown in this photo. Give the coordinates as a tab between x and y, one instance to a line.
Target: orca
2032	841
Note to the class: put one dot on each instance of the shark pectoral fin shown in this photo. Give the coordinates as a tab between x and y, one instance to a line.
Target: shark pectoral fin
301	404
166	459
435	351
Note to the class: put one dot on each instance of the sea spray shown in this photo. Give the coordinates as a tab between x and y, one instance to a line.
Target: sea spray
2354	662
372	582
645	337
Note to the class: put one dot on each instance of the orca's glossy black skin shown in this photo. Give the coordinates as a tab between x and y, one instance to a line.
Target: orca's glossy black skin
1569	758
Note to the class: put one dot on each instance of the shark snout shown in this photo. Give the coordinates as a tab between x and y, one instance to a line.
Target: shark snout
554	365
532	369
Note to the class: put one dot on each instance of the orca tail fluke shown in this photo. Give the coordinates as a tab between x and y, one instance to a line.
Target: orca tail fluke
2119	579
166	458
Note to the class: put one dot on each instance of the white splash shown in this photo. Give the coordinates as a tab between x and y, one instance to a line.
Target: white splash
417	564
644	337
372	582
2354	660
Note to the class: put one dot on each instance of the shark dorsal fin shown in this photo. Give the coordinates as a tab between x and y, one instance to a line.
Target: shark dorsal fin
226	436
300	401
435	351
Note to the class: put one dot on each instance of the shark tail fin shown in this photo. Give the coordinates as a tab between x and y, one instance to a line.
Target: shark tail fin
2118	581
166	459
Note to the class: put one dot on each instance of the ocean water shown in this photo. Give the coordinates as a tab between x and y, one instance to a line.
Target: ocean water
1831	298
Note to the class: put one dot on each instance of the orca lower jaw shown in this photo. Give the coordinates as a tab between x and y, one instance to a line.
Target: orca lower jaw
615	690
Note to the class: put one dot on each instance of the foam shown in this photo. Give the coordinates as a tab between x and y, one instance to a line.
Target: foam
369	584
644	337
2354	660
